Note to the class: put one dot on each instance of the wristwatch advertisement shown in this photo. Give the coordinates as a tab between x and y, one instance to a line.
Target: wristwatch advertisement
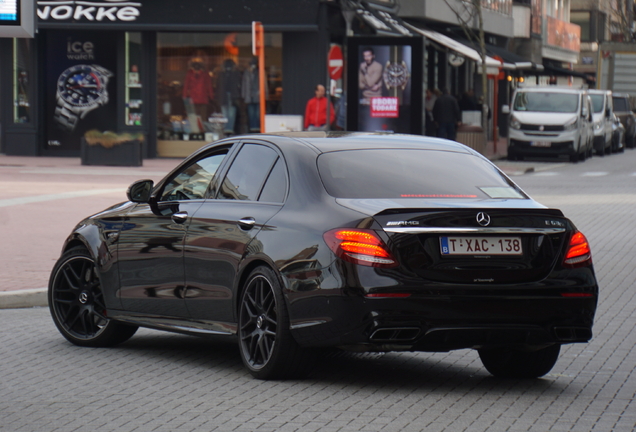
80	89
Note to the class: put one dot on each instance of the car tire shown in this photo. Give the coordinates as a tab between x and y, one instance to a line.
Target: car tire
518	363
76	302
267	347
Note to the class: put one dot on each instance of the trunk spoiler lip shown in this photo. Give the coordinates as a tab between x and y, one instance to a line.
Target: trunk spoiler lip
476	230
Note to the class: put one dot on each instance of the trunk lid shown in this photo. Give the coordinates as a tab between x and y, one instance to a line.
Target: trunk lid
476	245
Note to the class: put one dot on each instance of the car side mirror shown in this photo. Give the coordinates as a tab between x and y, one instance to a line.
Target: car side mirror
505	109
139	191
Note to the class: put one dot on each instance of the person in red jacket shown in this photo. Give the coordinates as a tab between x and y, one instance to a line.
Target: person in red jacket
316	111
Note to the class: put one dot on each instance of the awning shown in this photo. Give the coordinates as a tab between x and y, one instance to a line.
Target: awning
513	61
559	71
492	65
383	22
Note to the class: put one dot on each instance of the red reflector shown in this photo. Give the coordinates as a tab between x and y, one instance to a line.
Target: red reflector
388	295
359	246
576	295
579	253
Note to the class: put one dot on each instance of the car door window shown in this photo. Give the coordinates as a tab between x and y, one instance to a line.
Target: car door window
276	184
192	182
248	172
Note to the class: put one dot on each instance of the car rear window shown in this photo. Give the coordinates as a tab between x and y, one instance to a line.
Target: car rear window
410	173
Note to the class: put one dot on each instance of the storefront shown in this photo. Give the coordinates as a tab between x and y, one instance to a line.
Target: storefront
172	75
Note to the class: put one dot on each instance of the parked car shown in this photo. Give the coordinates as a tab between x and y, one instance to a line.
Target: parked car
618	135
364	242
624	111
603	117
550	121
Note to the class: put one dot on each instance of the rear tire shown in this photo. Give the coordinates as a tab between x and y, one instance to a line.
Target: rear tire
516	363
76	302
267	347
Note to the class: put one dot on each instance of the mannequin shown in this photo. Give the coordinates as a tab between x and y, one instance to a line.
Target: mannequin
251	94
229	91
198	87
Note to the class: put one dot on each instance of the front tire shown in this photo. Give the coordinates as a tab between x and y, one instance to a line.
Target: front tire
516	363
268	349
76	302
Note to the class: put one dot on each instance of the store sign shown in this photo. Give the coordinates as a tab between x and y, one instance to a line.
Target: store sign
9	12
17	19
99	11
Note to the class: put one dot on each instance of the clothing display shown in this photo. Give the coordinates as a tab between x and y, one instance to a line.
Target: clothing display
228	91
250	92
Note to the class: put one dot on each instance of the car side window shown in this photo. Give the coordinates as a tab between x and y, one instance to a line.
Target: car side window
248	172
192	182
276	184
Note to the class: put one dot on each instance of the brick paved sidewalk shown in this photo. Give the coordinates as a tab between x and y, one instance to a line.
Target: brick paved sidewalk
43	198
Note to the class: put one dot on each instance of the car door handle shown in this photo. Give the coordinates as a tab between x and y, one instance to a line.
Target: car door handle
246	223
180	217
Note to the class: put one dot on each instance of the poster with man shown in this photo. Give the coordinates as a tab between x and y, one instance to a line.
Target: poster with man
387	98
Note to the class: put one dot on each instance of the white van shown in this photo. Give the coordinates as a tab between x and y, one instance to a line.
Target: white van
602	113
550	121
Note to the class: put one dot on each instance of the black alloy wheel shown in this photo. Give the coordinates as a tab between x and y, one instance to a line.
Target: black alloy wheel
519	363
76	302
268	349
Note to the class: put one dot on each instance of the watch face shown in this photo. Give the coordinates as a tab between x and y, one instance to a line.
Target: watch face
81	85
396	75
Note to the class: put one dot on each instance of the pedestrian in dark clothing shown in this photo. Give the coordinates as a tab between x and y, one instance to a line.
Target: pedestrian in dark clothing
447	115
468	101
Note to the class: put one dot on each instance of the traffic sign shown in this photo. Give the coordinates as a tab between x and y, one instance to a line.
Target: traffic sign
335	62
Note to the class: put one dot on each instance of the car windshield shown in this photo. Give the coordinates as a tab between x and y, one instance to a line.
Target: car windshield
546	102
410	173
597	102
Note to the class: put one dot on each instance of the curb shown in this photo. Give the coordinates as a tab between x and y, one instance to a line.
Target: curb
24	298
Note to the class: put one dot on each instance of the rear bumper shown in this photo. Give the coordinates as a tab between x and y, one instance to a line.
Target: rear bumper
444	323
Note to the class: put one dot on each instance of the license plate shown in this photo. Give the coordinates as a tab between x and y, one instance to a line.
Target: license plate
481	246
541	144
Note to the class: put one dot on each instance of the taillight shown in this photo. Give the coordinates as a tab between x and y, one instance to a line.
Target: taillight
359	246
579	253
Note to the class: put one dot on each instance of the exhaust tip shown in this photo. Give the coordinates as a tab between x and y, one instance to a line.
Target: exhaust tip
395	334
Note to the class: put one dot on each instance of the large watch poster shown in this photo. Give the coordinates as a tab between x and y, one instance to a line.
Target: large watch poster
80	87
385	87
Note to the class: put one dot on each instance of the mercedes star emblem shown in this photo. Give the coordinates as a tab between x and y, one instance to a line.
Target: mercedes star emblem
483	219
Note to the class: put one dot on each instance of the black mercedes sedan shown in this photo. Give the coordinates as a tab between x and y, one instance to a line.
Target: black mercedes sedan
361	242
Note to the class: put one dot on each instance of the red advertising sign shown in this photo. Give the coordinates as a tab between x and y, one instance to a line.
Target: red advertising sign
335	62
385	107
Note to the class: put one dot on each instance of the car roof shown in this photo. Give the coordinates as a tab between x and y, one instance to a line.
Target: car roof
598	91
337	141
551	89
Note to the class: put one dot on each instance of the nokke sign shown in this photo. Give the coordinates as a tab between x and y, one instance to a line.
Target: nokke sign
80	10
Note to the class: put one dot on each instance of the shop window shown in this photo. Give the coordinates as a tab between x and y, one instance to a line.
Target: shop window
133	111
22	77
208	87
